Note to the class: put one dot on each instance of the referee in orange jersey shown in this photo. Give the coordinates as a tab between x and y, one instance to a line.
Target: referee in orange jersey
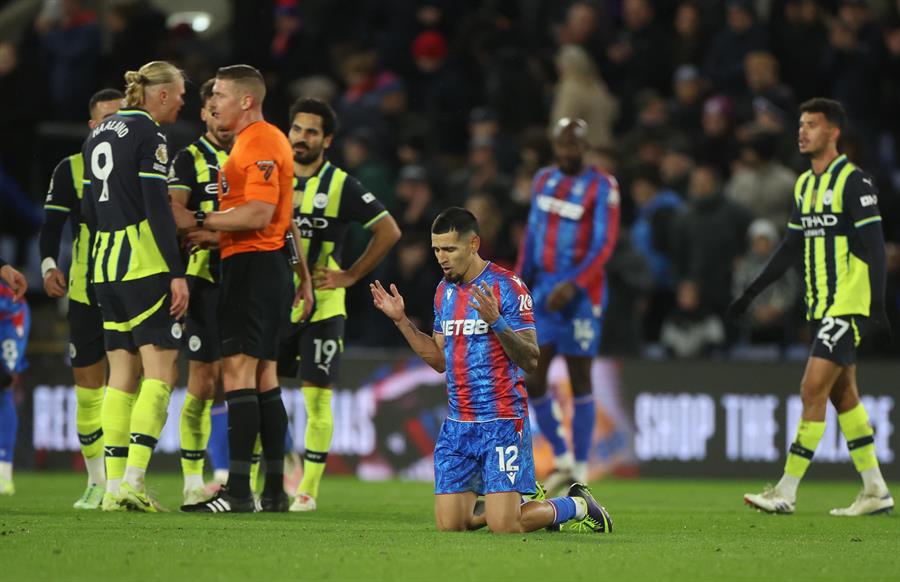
255	201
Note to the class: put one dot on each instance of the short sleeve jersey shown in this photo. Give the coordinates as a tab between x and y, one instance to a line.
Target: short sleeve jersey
195	170
260	167
828	210
325	205
483	383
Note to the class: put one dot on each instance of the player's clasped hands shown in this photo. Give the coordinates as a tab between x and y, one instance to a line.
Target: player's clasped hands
391	304
485	303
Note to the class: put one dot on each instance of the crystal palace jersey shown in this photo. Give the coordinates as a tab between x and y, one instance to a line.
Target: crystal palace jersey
572	229
482	382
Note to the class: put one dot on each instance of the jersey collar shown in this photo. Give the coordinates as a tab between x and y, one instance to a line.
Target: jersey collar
135	112
213	148
832	165
318	174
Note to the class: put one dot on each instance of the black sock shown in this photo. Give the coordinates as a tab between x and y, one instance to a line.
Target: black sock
272	431
243	426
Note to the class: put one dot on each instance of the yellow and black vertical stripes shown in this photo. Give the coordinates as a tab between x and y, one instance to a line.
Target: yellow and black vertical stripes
835	279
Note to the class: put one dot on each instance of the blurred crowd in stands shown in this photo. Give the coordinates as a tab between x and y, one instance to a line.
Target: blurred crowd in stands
691	104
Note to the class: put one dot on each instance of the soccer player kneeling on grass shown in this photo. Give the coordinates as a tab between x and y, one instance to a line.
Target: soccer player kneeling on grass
484	337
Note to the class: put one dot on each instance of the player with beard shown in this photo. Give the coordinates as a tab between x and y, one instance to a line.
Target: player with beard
483	337
326	201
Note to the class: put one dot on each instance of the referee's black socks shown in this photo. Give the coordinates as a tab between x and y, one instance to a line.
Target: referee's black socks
243	426
272	430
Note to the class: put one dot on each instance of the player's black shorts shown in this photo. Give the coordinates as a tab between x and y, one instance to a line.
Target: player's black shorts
85	334
254	302
201	325
314	350
836	338
136	313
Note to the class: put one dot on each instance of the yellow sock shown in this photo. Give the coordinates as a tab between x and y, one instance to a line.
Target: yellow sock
809	433
254	464
147	421
194	427
858	433
87	420
319	428
115	417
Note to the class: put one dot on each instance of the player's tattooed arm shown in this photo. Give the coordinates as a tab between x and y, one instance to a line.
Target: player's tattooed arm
520	346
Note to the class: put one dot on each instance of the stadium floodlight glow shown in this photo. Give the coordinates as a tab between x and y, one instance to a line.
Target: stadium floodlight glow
197	20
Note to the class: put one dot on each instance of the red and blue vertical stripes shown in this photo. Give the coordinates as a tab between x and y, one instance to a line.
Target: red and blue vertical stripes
483	383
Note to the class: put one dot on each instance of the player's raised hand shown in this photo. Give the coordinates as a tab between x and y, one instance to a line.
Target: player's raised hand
55	283
16	280
325	278
485	303
179	290
391	304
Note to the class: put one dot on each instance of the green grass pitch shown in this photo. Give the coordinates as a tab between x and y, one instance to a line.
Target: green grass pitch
664	530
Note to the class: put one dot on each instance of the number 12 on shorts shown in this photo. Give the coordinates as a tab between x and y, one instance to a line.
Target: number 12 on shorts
507	457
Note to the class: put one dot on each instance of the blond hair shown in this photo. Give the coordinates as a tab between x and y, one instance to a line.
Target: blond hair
153	73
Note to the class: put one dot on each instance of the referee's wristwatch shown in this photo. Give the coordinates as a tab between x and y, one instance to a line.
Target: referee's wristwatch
200	215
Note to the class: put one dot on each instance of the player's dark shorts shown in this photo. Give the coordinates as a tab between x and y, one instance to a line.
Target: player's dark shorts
313	349
86	346
136	313
201	324
484	457
574	330
836	338
254	302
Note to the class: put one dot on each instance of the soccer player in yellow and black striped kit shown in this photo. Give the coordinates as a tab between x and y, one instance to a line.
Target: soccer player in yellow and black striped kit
86	352
137	273
326	201
194	183
836	229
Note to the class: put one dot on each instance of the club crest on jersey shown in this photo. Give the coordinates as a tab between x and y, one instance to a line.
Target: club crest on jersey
320	200
161	154
266	167
828	197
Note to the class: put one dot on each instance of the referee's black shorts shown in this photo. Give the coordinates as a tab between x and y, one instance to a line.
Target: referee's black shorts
254	303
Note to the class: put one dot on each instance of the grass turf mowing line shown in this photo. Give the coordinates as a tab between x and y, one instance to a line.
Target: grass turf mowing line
664	529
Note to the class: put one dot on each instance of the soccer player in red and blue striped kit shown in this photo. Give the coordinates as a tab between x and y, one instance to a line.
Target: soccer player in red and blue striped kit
483	337
572	230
